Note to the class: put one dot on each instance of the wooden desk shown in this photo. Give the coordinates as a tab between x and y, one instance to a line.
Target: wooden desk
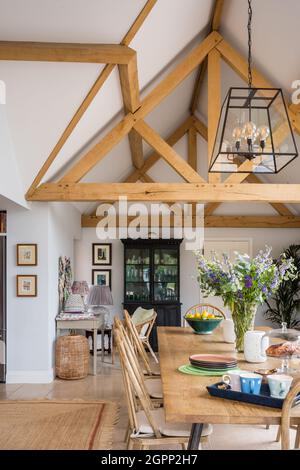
186	399
86	324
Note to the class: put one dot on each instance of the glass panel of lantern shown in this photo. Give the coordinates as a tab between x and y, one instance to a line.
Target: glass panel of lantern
254	133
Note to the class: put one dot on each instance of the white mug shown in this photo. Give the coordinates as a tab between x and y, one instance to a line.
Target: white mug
233	379
279	385
255	345
228	330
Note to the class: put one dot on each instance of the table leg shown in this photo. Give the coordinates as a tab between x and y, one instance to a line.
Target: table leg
195	436
102	344
95	352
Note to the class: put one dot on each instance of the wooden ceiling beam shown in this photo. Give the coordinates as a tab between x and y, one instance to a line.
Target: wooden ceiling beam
64	52
131	98
164	192
214	106
217	221
167	153
163	89
192	148
280	208
153	158
215	24
97	85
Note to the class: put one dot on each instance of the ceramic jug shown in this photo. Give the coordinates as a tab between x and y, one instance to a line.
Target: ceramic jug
255	345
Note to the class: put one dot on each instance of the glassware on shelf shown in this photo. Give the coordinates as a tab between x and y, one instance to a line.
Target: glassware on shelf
286	350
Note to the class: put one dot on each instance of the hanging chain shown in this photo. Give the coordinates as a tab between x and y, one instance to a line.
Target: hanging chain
249	43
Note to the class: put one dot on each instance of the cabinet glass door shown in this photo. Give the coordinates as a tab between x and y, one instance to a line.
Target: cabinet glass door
166	275
137	274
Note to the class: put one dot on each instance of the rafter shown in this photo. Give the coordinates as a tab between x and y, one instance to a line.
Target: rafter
214	105
163	89
217	221
167	153
153	158
215	24
105	73
131	98
64	52
164	192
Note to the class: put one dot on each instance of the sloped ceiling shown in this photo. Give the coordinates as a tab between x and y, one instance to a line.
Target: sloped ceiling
42	97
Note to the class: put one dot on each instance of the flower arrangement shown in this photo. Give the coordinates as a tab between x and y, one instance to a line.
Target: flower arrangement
243	284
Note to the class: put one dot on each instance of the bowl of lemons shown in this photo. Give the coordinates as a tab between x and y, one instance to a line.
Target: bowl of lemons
203	323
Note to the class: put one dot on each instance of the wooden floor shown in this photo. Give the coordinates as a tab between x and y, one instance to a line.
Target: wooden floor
108	385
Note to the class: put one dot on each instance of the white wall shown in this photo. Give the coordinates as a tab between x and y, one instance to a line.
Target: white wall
279	239
30	321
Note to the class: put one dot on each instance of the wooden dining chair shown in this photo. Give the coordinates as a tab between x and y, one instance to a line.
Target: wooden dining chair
144	329
147	424
286	418
149	370
204	307
152	387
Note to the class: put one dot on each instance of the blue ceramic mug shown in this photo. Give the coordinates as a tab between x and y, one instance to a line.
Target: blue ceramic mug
250	383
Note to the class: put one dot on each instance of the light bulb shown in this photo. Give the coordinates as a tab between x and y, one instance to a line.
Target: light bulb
263	133
249	131
237	136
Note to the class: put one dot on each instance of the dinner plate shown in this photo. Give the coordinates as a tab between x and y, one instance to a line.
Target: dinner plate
213	359
213	366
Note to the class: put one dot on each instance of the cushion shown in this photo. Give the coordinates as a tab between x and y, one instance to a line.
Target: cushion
167	429
154	388
141	315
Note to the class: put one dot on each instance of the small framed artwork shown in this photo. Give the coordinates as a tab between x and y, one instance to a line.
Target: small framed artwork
27	285
101	277
102	254
27	254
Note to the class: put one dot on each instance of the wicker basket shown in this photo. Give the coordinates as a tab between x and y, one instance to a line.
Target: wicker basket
72	357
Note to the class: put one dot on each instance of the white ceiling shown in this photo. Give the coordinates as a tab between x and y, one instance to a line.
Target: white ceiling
42	97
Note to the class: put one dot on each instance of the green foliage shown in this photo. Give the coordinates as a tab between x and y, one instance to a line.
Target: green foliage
284	305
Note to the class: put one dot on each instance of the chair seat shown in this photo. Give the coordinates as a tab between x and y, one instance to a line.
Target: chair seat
167	429
154	388
155	369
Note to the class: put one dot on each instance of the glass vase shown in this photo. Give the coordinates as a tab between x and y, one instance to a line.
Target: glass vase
243	316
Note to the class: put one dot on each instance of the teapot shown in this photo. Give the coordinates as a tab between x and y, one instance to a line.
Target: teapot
255	345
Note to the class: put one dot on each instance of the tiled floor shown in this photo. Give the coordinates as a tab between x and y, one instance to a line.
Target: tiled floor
108	385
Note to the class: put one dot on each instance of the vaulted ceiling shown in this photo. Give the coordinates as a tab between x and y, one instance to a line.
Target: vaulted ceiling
43	96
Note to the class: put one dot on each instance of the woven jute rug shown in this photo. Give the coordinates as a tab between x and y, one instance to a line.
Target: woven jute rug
57	425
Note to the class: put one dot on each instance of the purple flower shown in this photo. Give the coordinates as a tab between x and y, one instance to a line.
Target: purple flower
248	282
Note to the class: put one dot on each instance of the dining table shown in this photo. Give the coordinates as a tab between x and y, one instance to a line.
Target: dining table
186	399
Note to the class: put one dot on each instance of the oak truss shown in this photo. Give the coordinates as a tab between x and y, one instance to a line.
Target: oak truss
206	57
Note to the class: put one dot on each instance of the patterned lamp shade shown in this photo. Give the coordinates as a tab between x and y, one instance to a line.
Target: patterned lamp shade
74	304
99	295
80	287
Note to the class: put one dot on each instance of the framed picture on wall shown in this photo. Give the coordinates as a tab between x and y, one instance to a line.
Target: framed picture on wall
101	277
27	285
27	254
102	254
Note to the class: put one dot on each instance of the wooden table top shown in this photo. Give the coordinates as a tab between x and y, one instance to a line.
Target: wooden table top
185	396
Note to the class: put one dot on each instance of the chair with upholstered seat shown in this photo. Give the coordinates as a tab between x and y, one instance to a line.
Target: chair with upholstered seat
147	424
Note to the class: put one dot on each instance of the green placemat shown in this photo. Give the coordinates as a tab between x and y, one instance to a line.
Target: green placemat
189	369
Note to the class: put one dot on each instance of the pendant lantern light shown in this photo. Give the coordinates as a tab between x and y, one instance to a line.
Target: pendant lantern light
254	132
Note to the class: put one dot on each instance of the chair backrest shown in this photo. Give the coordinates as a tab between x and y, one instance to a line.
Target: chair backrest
144	328
286	414
136	341
204	307
133	381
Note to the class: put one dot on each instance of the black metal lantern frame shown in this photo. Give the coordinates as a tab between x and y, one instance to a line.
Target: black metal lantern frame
254	133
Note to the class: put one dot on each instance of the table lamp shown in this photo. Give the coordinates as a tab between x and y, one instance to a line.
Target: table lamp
98	298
